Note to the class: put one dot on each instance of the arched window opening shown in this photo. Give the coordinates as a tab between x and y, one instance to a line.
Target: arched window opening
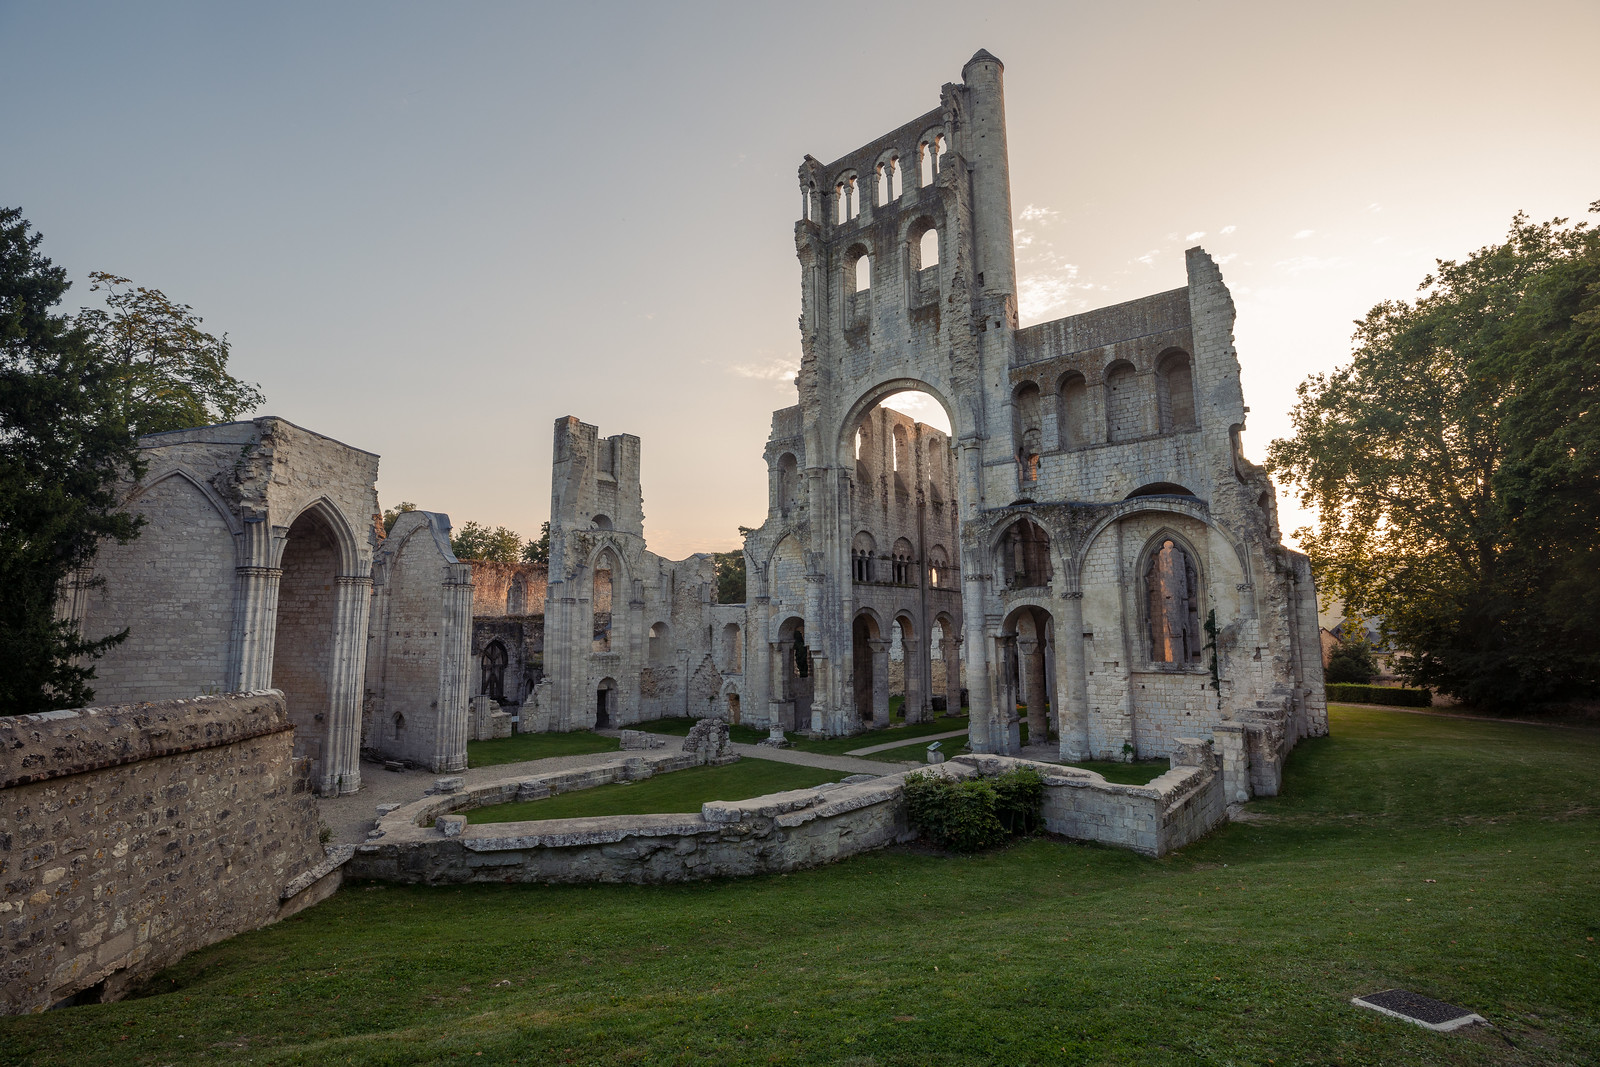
1175	393
1072	411
1124	411
602	602
928	153
863	272
1172	589
845	193
928	250
788	483
601	522
399	723
732	648
938	566
1025	555
494	672
659	640
903	565
1159	489
888	181
800	655
1026	430
861	553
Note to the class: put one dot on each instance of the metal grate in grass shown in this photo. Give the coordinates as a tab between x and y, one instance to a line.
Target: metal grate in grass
1416	1008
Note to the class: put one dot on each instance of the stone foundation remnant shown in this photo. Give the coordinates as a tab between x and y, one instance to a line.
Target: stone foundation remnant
136	833
429	842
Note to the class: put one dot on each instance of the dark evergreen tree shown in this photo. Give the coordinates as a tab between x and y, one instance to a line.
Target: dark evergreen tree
64	444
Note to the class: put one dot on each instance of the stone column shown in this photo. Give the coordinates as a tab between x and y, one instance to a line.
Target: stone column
255	626
914	671
341	755
880	680
1030	663
778	692
1072	679
455	667
952	673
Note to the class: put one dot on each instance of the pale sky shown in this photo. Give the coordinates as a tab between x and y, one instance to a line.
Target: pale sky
430	230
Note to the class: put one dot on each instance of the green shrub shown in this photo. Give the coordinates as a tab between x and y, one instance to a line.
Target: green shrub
973	814
1380	694
1351	663
1019	800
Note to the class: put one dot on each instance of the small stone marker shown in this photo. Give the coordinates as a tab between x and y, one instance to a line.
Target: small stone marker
447	786
934	755
384	809
1416	1008
450	825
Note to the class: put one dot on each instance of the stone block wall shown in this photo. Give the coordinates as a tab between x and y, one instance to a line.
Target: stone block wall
426	842
132	834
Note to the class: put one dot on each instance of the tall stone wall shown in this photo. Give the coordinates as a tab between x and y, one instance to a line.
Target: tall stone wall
133	834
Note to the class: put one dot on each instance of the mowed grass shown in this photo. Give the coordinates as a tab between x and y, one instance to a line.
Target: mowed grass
678	791
1458	859
838	746
520	747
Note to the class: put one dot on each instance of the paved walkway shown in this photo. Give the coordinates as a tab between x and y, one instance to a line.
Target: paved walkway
906	742
350	817
817	759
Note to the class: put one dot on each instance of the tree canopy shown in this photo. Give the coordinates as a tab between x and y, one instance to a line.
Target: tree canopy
169	373
1454	465
475	541
65	442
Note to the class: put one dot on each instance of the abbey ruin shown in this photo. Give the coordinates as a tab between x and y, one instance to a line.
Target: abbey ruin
1088	542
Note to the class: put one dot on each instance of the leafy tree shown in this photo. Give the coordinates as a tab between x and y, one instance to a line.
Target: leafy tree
474	541
392	515
64	444
730	573
170	373
1351	663
1455	469
538	551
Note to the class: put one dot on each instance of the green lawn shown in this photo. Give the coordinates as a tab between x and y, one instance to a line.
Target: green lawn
1141	773
674	792
1459	859
520	747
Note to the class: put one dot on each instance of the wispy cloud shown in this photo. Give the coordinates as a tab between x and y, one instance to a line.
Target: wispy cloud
1303	234
1195	236
1227	229
1301	264
1046	282
1149	257
778	369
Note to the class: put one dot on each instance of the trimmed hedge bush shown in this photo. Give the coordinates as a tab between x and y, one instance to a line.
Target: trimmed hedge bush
972	814
1379	694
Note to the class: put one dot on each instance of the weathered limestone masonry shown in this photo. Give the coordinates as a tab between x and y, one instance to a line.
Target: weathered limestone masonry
255	570
418	655
508	638
133	834
628	635
1118	558
431	843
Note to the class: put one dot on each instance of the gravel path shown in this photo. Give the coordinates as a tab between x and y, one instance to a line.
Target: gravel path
906	742
817	759
350	817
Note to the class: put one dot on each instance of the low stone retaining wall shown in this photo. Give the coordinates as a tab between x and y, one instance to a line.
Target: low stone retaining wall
426	842
133	834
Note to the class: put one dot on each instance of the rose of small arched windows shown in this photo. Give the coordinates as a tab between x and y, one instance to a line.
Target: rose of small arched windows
847	199
903	564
